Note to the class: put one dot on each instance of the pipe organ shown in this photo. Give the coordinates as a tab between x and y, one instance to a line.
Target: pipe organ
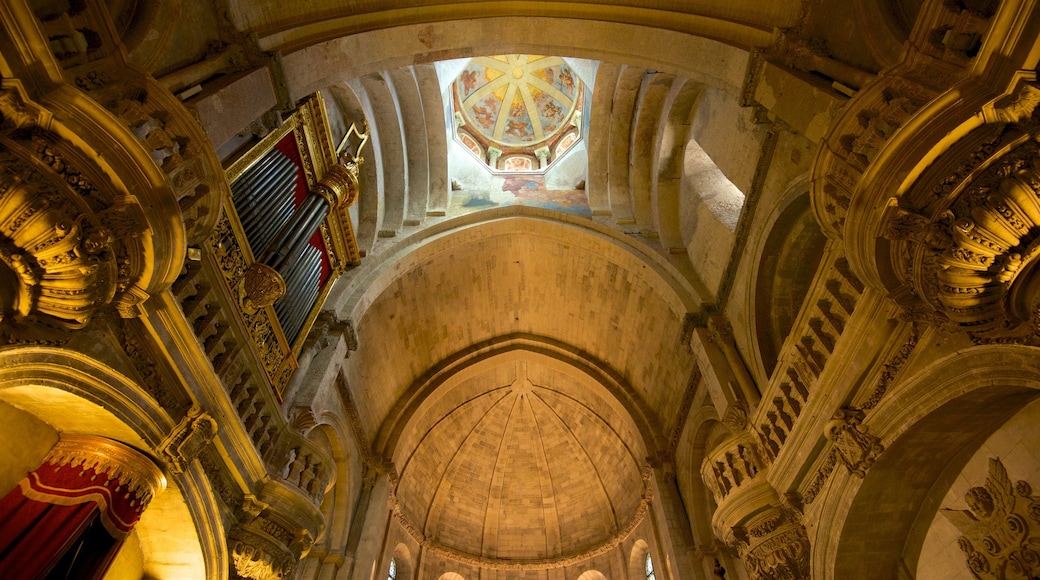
283	233
291	194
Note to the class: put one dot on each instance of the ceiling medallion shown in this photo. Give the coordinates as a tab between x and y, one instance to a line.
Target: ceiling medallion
519	107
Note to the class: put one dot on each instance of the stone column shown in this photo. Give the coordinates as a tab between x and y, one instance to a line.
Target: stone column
493	153
542	153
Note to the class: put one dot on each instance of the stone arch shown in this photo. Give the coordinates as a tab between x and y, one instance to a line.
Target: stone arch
704	432
613	389
931	427
592	575
886	26
1014	446
513	240
787	262
331	436
710	202
402	558
637	559
451	576
59	391
312	63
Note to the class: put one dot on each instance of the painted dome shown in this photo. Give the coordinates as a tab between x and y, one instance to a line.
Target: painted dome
517	100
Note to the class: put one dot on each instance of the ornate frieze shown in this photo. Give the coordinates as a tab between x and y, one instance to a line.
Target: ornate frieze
1001	527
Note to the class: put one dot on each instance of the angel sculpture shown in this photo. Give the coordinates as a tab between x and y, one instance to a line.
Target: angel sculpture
996	532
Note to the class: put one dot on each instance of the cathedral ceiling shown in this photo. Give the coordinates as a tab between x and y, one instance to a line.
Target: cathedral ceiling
585	296
520	457
291	25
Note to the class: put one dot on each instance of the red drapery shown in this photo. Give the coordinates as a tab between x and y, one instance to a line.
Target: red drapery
69	516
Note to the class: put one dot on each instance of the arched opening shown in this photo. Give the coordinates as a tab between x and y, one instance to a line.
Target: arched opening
961	401
44	393
789	260
164	543
1014	445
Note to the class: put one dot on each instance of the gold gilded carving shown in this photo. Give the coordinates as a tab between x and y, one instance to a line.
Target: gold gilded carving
188	439
1001	527
339	186
134	471
259	287
230	259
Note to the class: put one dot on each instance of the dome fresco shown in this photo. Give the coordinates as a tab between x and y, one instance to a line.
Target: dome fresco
517	100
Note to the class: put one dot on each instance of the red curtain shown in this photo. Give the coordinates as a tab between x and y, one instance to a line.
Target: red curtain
66	520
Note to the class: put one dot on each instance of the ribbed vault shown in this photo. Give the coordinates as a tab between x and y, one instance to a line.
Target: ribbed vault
520	457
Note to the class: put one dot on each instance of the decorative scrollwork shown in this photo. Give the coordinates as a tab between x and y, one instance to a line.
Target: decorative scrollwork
1002	519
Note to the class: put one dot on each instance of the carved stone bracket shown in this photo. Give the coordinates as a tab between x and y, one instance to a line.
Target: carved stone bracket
271	538
775	549
965	240
188	439
256	557
1001	528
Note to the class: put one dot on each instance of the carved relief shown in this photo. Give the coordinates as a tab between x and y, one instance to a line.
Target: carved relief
188	439
856	448
260	287
1001	527
967	254
776	549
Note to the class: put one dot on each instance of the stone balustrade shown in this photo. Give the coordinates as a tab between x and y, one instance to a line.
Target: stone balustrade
298	461
733	464
806	353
